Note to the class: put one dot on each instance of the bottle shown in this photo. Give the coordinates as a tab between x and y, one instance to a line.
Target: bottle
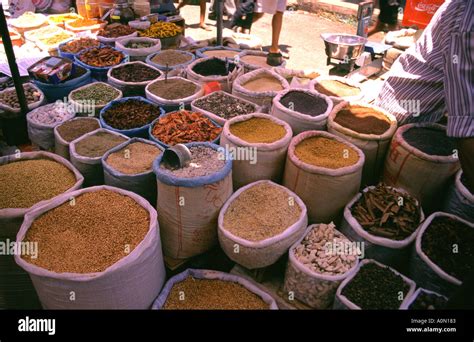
121	13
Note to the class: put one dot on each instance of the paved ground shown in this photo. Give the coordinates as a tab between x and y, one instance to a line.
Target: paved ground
300	37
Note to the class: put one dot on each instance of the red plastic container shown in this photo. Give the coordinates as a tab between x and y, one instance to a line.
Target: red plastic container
420	12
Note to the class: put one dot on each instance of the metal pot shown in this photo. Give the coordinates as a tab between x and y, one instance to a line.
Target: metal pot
343	46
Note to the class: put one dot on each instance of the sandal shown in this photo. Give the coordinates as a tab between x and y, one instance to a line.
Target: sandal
274	58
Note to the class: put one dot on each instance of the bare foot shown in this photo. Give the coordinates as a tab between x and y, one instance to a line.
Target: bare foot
205	27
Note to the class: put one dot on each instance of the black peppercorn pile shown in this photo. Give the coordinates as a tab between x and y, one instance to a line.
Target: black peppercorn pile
214	67
135	73
375	288
130	114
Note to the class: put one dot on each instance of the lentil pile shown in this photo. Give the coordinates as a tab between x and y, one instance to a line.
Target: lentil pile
101	228
130	114
258	130
221	53
362	120
313	254
101	57
134	158
8	97
77	45
438	243
98	93
135	72
116	30
26	182
325	152
161	29
182	127
212	294
336	88
214	67
50	114
73	129
376	288
204	162
431	141
264	83
428	301
385	212
261	212
171	57
224	105
173	89
302	102
255	60
95	145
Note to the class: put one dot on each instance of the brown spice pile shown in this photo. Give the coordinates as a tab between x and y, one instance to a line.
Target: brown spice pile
258	130
73	129
134	158
336	88
77	45
116	30
260	61
172	89
261	212
26	182
362	120
324	152
171	57
212	294
264	83
101	57
182	127
95	145
101	228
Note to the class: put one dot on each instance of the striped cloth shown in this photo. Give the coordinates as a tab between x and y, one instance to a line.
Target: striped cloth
437	73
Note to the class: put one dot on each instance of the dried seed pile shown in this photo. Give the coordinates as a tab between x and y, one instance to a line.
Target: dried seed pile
26	182
101	57
131	113
116	30
8	97
449	243
376	288
50	114
264	83
171	57
255	60
313	251
325	152
173	89
97	93
73	129
224	105
336	88
204	162
431	141
95	145
88	235
363	120
302	102
77	45
428	301
214	67
212	294
182	127
134	158
261	212
135	72
221	53
386	212
258	130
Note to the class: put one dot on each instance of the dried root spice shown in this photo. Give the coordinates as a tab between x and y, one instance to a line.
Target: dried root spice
336	88
101	57
386	212
131	113
134	158
261	212
95	145
326	152
88	235
258	130
376	288
224	105
363	120
183	127
449	243
116	30
212	294
26	182
73	129
77	45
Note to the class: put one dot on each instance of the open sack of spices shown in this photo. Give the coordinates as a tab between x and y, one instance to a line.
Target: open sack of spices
170	59
337	88
212	290
316	268
129	166
298	78
100	243
112	32
304	110
368	127
253	59
420	152
190	197
260	222
27	180
266	140
443	255
73	47
212	69
217	51
90	99
183	127
10	105
424	299
374	286
387	220
132	78
459	200
138	48
100	60
325	171
86	153
174	93
70	130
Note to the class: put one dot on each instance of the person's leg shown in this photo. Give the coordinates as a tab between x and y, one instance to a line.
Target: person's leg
388	17
202	15
277	23
182	4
